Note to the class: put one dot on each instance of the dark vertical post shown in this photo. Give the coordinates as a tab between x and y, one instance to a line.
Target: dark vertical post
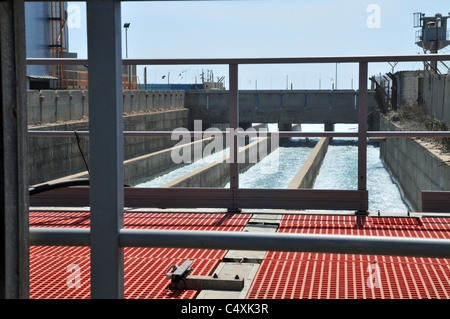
106	147
234	125
14	264
362	126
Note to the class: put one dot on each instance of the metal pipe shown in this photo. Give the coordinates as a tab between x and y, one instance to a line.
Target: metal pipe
60	236
337	244
316	243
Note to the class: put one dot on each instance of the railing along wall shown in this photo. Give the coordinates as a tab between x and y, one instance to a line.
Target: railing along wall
107	196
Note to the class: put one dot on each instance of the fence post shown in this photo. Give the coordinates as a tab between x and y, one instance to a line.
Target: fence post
14	247
106	147
234	125
362	126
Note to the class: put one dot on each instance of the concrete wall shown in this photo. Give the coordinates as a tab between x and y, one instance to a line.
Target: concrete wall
217	173
408	87
50	106
278	106
55	157
414	166
308	172
436	95
139	169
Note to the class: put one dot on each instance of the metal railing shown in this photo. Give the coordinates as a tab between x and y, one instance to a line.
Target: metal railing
236	197
107	236
72	79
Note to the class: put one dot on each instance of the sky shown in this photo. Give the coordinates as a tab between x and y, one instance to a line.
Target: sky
266	28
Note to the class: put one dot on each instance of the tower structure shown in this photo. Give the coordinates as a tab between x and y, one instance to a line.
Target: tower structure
433	34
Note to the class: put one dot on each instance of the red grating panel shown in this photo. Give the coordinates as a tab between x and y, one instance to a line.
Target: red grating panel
52	269
54	272
285	275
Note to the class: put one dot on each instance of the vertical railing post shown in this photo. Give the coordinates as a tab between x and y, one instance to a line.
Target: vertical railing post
106	147
362	126
14	241
234	125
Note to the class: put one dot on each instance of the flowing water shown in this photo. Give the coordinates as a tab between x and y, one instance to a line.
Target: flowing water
338	171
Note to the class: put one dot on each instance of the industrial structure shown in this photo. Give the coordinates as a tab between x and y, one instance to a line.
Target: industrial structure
112	238
433	34
47	32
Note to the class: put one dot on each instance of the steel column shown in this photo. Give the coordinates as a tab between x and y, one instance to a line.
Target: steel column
234	126
362	127
14	249
106	147
181	197
292	60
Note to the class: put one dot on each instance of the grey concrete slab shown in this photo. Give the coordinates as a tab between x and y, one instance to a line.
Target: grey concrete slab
228	271
248	255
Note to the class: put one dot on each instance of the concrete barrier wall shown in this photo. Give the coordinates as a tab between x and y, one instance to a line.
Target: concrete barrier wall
308	172
50	106
139	169
436	95
269	106
217	173
414	166
51	158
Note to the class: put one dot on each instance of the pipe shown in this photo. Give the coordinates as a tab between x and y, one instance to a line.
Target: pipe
337	244
59	236
49	186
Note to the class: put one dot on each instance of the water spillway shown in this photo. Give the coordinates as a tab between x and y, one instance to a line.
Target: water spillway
338	170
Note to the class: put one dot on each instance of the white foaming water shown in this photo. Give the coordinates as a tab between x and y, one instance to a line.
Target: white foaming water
338	171
291	157
169	176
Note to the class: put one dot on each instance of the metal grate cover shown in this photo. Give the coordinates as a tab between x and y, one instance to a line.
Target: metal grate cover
287	275
64	272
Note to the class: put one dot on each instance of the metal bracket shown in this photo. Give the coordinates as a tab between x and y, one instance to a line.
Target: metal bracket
179	273
180	279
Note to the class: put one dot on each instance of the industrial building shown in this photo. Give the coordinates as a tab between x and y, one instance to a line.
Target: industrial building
47	36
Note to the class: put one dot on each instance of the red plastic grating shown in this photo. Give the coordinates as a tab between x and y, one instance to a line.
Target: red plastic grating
52	268
286	275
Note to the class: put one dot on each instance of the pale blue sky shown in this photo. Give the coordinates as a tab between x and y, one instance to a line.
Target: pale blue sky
258	28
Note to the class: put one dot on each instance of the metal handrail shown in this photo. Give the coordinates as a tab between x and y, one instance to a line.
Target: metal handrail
233	64
268	60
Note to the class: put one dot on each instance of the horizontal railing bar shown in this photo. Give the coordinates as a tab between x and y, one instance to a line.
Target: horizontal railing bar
199	197
408	134
387	134
277	60
227	240
59	236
